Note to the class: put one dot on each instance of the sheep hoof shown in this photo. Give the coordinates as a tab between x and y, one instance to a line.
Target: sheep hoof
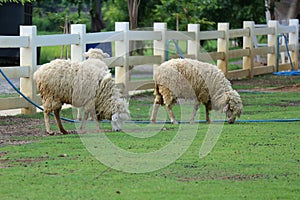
89	131
51	133
81	131
64	132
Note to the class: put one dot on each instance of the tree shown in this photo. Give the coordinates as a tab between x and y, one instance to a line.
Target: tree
180	13
294	9
117	10
209	12
270	5
133	10
283	10
96	15
95	10
16	1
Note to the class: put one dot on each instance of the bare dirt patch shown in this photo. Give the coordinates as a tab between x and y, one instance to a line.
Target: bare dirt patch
270	83
12	127
236	177
290	88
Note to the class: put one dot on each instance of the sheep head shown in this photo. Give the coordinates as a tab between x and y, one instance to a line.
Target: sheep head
117	121
120	115
233	107
96	54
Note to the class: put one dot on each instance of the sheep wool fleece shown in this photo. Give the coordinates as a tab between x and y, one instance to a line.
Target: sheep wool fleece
193	79
76	83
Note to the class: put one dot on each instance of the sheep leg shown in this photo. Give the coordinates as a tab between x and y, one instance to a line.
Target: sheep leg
47	122
94	118
58	121
79	117
171	114
196	106
207	109
154	113
84	119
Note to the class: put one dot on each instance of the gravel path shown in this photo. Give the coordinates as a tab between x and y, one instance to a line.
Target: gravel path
5	88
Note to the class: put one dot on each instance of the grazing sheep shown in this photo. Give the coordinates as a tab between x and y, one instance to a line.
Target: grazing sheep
92	54
82	84
192	79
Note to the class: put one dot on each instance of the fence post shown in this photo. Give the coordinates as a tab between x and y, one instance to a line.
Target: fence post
272	42
159	46
223	45
122	50
248	43
194	45
28	57
77	50
294	39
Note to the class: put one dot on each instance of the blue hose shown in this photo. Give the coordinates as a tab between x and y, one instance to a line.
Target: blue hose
177	48
285	73
218	121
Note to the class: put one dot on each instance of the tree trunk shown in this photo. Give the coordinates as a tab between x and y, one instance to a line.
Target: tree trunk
271	8
133	8
96	16
293	10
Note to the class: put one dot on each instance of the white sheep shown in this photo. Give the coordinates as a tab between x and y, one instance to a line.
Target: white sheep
92	54
204	82
82	84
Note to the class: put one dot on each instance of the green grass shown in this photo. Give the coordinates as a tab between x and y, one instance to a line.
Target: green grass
249	161
52	52
8	95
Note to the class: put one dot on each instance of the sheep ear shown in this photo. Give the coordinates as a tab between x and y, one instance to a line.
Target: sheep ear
115	117
225	109
124	116
106	55
85	54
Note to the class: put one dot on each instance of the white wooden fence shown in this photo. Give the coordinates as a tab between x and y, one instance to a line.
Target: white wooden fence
28	41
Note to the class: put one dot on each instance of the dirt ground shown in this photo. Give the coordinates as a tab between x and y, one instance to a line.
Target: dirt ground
14	128
270	83
288	88
292	88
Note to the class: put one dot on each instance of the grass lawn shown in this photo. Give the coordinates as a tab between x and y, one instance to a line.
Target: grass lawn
249	160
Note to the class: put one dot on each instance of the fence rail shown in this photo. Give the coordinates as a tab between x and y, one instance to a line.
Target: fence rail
28	41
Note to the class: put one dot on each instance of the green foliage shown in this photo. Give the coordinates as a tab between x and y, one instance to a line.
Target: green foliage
114	11
236	12
54	22
50	53
15	1
186	11
208	13
52	19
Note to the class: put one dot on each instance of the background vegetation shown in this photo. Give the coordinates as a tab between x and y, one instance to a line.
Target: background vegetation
207	13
